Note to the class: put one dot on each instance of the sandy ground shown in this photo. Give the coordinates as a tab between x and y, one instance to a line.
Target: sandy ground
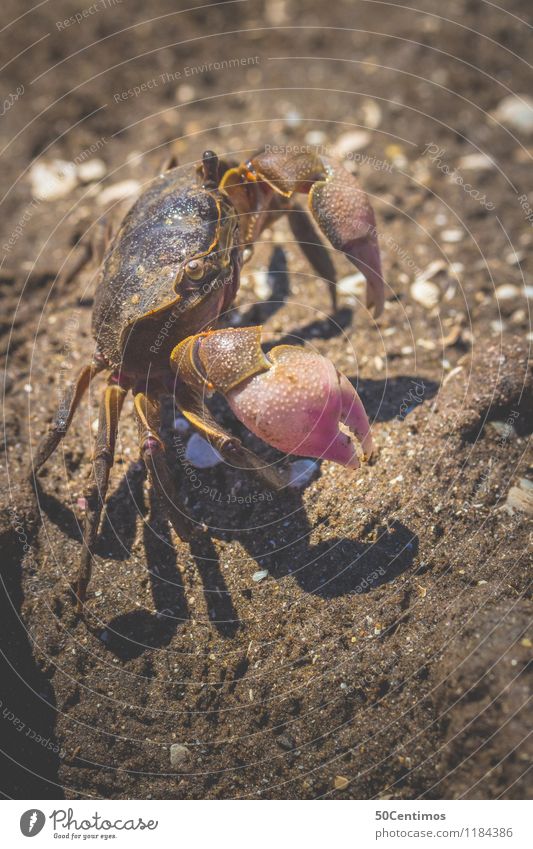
386	652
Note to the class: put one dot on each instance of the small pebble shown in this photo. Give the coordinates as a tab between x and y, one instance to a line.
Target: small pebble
350	143
506	292
53	180
301	472
200	453
179	756
261	284
185	93
293	119
475	162
521	497
452	236
119	191
340	782
92	171
353	286
371	114
516	112
260	575
315	137
425	293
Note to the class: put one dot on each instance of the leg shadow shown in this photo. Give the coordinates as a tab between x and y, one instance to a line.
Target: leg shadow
29	752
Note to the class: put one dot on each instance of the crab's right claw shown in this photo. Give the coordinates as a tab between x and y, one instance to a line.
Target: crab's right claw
292	398
298	405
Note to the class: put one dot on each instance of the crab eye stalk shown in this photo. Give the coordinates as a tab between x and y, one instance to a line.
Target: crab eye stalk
195	269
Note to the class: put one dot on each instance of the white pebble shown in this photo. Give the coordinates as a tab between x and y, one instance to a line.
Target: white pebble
517	112
301	472
185	92
53	180
528	290
293	119
350	143
119	191
371	114
452	236
475	162
426	293
261	284
260	575
92	171
200	453
507	291
315	137
353	286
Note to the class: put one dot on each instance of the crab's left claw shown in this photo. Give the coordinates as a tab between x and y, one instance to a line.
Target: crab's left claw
336	201
292	399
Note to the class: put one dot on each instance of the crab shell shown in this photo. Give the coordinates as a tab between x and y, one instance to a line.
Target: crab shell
143	288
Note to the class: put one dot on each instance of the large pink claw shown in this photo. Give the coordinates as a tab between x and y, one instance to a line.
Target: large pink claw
297	405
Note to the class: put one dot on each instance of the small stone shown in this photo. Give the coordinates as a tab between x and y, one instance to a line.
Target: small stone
315	137
521	497
426	293
516	111
185	93
353	286
528	291
341	782
261	284
371	114
475	162
433	269
92	171
260	575
179	756
53	180
526	643
351	142
507	292
293	119
301	472
452	236
119	191
200	453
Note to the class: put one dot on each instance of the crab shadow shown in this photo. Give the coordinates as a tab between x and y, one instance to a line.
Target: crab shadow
341	566
337	567
262	311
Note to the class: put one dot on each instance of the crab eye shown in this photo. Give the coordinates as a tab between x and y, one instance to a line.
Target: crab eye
195	269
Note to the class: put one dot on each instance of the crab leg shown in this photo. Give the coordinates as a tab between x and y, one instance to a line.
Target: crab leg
68	406
293	399
153	454
336	202
104	454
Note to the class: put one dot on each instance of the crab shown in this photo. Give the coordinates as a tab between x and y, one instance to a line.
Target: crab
168	275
